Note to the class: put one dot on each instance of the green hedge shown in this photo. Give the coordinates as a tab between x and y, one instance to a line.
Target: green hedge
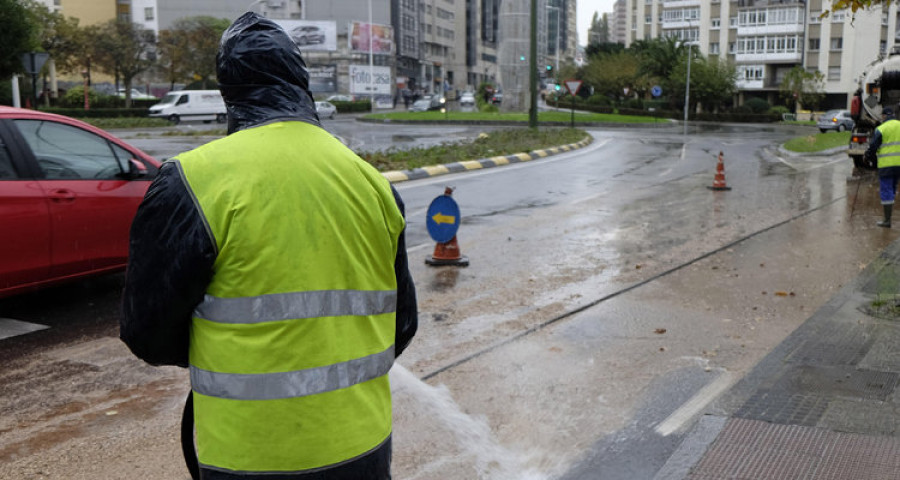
355	106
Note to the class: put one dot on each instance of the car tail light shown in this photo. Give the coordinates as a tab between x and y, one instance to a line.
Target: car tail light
859	139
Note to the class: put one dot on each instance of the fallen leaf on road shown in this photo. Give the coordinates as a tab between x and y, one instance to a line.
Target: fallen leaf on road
660	331
781	294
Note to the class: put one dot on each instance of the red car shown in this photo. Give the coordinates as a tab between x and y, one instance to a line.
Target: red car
68	193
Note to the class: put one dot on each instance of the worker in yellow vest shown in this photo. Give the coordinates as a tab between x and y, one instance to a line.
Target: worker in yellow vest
272	263
886	144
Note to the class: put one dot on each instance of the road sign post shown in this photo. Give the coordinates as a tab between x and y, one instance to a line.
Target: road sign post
33	63
572	86
442	221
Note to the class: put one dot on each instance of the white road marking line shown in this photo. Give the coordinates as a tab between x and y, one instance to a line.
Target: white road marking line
11	328
698	402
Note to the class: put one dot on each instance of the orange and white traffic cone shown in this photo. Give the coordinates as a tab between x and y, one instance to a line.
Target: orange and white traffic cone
719	181
447	253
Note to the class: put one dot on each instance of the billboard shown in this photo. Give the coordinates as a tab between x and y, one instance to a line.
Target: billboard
322	78
365	82
311	35
382	38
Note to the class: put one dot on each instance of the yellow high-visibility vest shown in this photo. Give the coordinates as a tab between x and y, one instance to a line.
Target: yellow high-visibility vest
889	151
291	347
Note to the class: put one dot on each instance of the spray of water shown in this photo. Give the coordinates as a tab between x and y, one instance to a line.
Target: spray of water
491	460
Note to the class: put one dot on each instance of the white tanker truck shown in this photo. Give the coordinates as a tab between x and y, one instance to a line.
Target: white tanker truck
879	86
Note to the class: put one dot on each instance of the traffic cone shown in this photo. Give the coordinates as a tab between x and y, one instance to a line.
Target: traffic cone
447	253
719	181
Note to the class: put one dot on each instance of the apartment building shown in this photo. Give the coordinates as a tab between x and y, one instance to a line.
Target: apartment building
765	39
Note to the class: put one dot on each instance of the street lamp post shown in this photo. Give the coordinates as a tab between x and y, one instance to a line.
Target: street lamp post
557	38
687	83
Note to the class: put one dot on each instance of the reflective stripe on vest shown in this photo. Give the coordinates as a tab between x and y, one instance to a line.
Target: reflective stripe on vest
889	151
271	386
291	347
282	306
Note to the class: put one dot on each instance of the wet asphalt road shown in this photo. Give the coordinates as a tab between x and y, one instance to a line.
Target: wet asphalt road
609	290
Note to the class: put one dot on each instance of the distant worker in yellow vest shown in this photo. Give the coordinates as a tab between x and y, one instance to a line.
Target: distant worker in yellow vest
886	144
272	263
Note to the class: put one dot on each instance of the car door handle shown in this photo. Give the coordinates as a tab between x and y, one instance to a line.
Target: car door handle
62	195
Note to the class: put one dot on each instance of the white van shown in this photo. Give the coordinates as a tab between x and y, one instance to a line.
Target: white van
206	105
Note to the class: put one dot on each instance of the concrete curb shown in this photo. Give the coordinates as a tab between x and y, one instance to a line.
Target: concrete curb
823	153
396	176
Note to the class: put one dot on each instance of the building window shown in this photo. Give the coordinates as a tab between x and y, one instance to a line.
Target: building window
813	44
148	14
713	48
733	22
732	48
837	44
815	18
834	73
648	19
715	24
883	47
837	17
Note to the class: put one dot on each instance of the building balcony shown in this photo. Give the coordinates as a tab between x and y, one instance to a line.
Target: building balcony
749	84
681	3
785	57
793	28
673	24
767	3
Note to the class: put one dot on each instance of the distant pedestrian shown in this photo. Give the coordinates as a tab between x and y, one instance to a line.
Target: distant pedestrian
885	144
272	263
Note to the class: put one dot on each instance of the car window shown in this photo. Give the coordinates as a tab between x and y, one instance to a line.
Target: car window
65	152
183	100
7	171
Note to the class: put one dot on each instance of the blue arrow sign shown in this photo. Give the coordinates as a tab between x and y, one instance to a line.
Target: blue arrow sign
656	91
442	219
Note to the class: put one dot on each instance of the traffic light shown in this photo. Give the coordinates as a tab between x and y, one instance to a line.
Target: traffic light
558	87
549	68
521	58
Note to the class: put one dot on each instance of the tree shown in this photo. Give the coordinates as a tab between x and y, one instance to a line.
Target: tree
595	49
16	37
202	34
658	58
174	56
713	81
123	48
855	5
59	36
611	74
599	31
802	87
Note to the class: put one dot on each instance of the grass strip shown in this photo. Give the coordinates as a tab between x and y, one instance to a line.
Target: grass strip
818	142
499	142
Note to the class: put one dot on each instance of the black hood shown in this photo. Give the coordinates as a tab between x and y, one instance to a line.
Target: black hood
262	75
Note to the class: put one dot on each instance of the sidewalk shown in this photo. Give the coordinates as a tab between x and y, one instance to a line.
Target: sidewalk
824	404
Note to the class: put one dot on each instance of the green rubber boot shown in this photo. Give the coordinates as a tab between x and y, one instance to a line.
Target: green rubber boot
886	223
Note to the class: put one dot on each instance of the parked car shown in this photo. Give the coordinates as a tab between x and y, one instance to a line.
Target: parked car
307	35
838	120
136	94
497	98
325	110
420	105
68	193
467	99
339	98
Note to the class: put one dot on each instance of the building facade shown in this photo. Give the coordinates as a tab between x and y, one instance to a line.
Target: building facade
765	39
438	45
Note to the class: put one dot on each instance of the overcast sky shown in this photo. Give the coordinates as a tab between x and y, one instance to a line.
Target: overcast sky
586	9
